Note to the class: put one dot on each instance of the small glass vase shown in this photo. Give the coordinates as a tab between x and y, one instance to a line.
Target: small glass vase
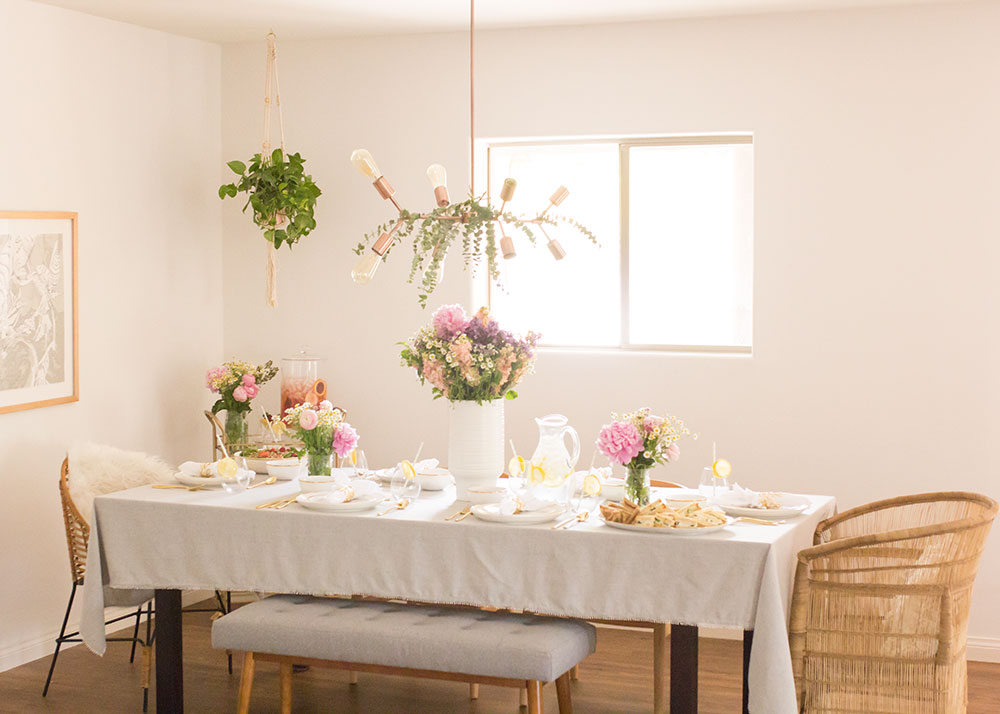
236	429
320	464
637	484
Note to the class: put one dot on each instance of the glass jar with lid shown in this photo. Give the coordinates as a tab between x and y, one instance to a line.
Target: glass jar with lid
301	381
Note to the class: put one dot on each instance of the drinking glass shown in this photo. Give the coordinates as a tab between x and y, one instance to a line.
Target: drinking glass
710	485
402	487
241	480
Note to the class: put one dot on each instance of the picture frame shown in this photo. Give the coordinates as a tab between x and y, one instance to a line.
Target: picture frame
39	310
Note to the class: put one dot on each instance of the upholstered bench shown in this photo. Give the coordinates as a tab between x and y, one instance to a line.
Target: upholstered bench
523	651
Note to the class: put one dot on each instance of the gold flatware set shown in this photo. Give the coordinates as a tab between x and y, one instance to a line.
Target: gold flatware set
180	486
280	503
460	515
570	522
396	506
266	482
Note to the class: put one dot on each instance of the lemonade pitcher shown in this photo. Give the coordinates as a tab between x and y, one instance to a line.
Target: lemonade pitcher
552	463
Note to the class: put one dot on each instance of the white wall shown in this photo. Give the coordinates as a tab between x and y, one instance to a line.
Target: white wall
877	176
120	124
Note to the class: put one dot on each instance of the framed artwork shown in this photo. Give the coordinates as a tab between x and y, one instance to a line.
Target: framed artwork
39	351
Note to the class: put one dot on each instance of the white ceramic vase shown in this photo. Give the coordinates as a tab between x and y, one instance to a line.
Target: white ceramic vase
475	445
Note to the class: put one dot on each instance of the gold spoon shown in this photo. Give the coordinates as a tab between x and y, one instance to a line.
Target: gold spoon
177	485
396	506
580	518
758	521
266	482
456	514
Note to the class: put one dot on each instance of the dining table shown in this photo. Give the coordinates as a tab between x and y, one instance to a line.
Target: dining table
740	577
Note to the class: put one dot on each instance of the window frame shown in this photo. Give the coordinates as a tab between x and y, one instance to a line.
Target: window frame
625	144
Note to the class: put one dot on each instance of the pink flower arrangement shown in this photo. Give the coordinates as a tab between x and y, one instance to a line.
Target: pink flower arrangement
237	382
308	419
345	440
321	430
469	358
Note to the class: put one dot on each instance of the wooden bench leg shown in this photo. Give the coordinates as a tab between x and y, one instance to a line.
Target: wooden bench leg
246	684
523	698
352	678
574	673
286	687
562	691
534	696
473	690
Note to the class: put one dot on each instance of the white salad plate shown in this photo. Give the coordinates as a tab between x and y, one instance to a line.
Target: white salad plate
491	512
791	506
668	531
324	501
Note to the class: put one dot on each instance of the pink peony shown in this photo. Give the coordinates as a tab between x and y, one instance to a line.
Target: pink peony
673	452
240	394
433	372
651	422
345	440
308	419
620	441
249	380
449	320
251	390
326	405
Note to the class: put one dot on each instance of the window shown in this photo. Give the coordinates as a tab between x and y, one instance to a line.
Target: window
674	268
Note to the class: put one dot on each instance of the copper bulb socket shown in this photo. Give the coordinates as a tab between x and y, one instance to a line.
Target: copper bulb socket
441	196
507	192
385	190
559	196
384	242
557	250
507	248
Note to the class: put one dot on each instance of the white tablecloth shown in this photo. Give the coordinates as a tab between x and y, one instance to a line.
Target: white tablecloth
738	577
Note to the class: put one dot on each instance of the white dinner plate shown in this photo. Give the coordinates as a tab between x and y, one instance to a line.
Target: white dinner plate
198	480
791	506
320	501
491	512
667	531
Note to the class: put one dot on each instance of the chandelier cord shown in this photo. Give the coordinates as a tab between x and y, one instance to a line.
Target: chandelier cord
472	96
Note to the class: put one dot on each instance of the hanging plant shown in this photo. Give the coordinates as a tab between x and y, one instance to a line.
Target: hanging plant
281	194
473	222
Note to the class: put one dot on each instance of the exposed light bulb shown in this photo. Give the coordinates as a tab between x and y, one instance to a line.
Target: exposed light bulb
559	195
438	177
362	160
558	252
365	269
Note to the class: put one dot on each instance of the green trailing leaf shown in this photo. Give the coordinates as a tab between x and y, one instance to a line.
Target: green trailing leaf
277	188
470	224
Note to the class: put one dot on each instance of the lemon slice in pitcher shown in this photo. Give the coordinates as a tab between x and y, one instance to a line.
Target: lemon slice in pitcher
592	485
408	471
516	466
722	468
537	475
227	467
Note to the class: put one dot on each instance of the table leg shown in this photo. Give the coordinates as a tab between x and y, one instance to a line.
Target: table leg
660	668
683	669
169	661
747	646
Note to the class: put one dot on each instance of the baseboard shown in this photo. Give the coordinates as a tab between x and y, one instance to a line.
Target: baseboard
979	649
983	649
23	652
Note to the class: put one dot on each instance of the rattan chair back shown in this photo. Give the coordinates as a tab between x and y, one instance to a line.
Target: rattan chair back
77	528
880	609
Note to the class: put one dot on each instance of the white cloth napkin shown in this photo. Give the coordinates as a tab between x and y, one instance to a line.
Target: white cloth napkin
511	503
193	468
738	496
419	466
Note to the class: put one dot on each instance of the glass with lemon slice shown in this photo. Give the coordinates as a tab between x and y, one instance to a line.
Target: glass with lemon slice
715	478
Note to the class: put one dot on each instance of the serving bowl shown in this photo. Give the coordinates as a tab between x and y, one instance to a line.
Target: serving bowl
285	469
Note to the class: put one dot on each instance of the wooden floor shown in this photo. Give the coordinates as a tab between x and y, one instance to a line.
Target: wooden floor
616	679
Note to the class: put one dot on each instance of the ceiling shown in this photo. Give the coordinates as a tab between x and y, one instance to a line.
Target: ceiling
245	20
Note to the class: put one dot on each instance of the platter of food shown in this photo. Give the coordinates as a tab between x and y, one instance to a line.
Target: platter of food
658	517
765	504
257	458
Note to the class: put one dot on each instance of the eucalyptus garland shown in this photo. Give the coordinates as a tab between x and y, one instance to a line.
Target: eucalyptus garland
471	222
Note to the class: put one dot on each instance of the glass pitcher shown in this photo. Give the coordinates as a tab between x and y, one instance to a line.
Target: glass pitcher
552	463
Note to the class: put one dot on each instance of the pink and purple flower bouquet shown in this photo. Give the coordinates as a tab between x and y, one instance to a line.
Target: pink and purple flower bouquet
469	358
323	431
237	382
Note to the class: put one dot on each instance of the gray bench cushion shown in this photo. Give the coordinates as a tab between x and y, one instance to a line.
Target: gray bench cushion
413	636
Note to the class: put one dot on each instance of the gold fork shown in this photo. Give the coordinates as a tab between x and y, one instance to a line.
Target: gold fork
278	503
580	518
177	485
396	506
266	482
465	511
758	521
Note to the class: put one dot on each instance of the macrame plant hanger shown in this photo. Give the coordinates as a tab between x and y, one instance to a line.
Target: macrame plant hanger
271	80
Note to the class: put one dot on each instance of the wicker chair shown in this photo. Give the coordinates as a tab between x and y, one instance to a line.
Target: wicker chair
880	609
77	536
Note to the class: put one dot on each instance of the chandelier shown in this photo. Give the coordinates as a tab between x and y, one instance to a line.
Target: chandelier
474	221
